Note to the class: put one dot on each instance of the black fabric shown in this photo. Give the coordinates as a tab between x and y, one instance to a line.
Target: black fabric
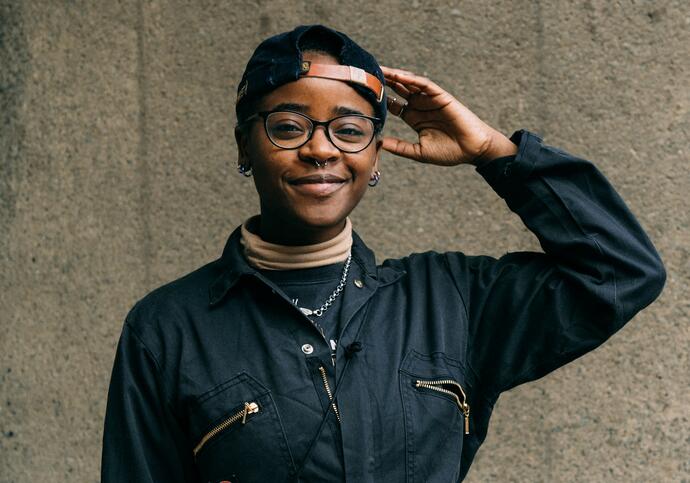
311	287
278	60
197	349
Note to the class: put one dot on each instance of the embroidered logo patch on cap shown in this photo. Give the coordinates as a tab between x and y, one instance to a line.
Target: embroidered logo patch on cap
240	94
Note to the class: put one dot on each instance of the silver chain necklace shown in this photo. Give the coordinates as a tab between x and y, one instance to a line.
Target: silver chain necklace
319	312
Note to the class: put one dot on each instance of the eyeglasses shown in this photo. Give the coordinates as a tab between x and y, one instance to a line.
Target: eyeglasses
350	133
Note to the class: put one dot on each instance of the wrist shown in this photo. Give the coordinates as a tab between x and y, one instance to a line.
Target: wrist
498	147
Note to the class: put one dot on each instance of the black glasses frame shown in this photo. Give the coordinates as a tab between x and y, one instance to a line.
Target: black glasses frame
314	124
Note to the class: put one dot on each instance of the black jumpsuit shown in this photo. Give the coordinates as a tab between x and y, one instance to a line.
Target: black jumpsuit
219	377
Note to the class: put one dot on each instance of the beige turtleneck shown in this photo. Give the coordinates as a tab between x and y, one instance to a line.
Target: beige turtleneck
271	256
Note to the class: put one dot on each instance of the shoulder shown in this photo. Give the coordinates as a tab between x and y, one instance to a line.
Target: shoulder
462	269
168	308
429	263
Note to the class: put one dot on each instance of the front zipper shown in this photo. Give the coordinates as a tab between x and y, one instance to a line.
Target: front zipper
249	408
438	386
322	370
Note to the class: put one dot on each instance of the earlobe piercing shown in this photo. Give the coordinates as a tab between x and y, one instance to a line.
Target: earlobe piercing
244	170
374	180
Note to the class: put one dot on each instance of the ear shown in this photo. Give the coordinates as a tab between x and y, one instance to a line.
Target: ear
242	139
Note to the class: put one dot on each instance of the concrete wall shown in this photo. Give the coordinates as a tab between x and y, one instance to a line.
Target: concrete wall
117	174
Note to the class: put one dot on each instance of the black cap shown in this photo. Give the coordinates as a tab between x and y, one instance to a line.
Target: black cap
278	60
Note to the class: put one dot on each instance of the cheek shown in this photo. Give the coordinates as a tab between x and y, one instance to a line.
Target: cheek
266	180
266	173
266	163
257	148
363	172
260	146
366	164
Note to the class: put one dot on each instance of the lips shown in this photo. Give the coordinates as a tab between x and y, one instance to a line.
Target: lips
318	185
318	179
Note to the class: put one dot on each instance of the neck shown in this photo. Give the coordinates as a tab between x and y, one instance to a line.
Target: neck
262	253
284	234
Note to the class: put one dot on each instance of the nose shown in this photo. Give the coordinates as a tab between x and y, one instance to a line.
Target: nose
319	149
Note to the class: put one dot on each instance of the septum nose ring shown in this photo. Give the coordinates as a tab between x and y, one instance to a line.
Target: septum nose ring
318	165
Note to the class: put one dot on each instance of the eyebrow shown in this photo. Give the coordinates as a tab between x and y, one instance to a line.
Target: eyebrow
347	110
291	106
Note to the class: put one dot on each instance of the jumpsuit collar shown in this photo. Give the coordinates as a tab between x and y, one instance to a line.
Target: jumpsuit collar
233	265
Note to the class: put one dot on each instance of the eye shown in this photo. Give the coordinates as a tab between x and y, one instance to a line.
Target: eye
286	128
351	129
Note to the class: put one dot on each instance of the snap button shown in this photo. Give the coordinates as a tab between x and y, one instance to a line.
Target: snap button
359	283
307	349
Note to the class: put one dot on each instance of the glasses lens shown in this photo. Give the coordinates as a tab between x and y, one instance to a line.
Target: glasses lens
351	133
287	129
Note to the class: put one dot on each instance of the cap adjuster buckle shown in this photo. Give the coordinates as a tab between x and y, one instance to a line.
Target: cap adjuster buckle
380	96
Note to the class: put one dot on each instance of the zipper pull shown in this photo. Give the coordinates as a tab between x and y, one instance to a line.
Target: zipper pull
466	412
249	408
333	348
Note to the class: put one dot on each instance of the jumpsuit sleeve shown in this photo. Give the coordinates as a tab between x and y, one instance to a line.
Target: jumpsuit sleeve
142	440
530	312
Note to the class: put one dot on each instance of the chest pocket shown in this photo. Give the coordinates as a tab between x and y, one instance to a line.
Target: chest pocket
238	435
436	416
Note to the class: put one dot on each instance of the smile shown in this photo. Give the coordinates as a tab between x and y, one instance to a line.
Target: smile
318	185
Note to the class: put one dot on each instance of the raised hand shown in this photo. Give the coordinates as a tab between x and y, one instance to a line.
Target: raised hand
449	133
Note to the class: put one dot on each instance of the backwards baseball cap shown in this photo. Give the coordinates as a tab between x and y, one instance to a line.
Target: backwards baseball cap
278	60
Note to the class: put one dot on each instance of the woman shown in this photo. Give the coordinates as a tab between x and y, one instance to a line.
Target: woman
294	357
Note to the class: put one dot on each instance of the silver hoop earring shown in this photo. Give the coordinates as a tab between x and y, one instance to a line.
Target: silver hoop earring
244	170
374	180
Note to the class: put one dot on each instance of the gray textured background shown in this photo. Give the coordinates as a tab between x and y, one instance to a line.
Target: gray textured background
117	174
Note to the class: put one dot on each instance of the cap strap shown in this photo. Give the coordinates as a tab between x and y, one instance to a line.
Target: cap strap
346	73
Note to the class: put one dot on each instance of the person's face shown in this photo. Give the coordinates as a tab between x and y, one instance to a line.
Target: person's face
293	190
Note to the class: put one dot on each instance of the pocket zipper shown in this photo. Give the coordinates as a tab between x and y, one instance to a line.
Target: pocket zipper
322	370
462	404
249	408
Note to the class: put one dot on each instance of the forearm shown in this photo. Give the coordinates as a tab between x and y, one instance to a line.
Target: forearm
581	222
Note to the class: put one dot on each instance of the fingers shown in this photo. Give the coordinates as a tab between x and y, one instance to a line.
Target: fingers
402	148
396	105
411	82
397	101
399	89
